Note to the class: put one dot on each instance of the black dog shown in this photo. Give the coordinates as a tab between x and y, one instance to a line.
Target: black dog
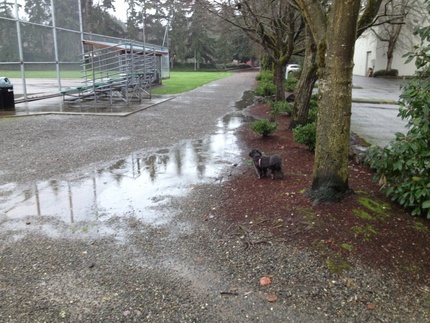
262	164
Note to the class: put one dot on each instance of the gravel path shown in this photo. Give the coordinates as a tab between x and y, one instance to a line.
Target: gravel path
193	268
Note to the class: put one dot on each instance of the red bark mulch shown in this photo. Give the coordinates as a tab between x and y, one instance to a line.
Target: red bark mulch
365	227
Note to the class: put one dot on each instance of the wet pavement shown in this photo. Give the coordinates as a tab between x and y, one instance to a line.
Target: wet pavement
147	181
57	105
140	185
127	239
374	109
44	98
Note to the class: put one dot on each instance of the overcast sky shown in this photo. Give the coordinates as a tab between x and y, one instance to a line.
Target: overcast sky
120	10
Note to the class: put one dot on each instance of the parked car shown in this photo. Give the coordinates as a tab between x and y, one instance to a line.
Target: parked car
292	68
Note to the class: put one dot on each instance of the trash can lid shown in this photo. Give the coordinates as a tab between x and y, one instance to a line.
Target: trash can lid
5	82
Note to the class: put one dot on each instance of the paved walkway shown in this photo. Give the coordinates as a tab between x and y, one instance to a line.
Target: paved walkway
376	122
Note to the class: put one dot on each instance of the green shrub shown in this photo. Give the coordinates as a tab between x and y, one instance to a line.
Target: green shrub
291	83
297	74
264	127
403	169
266	62
280	107
313	109
385	73
190	66
265	75
265	88
306	135
235	66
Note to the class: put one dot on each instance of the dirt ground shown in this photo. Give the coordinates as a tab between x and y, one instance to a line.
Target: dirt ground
365	226
217	242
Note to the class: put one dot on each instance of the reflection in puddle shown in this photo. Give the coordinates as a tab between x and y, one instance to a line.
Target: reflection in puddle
139	186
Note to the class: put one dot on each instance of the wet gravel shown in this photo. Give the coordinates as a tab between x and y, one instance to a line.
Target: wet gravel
195	267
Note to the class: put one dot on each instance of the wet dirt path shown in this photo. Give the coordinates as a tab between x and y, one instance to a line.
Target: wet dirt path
122	239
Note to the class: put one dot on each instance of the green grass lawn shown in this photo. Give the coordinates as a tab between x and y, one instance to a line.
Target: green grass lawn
185	81
179	81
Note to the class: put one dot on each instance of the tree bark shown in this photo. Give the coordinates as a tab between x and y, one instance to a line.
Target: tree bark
330	177
279	79
303	92
390	53
392	42
275	25
334	32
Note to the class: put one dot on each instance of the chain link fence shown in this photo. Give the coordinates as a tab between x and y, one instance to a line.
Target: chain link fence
53	47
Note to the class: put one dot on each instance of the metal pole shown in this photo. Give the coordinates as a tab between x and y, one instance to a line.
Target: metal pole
143	27
195	59
81	29
166	34
54	30
21	54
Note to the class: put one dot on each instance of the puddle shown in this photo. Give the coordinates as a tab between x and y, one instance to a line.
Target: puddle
56	105
140	186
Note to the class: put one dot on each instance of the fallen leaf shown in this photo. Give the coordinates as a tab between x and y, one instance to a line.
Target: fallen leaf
264	281
272	298
371	306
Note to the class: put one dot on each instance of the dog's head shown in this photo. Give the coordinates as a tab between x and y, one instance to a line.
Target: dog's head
255	153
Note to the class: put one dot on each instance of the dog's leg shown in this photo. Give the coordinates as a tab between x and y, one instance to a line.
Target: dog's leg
257	171
281	173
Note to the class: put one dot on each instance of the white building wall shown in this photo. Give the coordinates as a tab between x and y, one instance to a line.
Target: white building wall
398	61
364	54
381	54
370	52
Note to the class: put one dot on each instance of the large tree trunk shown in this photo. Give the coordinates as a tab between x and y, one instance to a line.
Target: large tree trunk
394	32
335	59
303	92
390	54
334	32
279	80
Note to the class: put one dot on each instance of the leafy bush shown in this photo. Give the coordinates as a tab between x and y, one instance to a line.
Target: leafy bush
264	127
291	83
280	107
265	88
306	135
190	66
403	169
382	73
264	75
237	66
313	109
266	62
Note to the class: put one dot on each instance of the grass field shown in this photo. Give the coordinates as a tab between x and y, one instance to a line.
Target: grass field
185	81
179	81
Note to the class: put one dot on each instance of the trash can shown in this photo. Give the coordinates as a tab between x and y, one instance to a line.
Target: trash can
7	99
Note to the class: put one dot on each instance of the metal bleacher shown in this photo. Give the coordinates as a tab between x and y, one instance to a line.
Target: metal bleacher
112	72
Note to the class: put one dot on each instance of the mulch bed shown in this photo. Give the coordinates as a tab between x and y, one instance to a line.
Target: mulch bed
365	227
